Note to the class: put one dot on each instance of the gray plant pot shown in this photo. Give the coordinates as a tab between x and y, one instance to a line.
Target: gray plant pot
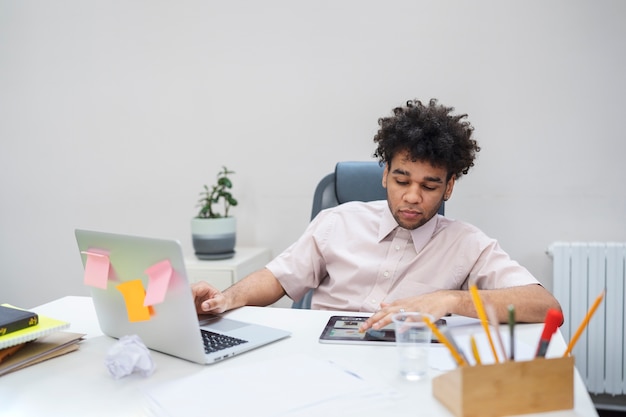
214	238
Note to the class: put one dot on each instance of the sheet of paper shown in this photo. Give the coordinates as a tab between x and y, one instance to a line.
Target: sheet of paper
159	276
134	295
307	387
97	268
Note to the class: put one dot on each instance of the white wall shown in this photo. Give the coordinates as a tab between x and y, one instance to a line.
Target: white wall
114	113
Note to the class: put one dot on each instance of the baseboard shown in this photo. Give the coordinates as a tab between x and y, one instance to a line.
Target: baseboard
609	402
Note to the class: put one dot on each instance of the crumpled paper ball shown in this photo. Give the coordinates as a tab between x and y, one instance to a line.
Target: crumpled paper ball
129	355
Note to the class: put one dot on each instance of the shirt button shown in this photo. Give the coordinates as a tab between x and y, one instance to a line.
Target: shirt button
386	273
373	301
397	247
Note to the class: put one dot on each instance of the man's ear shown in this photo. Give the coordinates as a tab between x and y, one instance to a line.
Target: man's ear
449	188
385	172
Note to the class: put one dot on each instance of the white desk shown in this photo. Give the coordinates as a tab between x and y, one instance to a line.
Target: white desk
79	384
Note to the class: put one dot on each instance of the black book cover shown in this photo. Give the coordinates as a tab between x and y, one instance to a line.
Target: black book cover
14	319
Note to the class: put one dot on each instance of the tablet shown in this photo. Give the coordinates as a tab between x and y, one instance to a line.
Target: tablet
345	329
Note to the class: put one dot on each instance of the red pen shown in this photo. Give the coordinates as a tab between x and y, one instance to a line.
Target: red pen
554	318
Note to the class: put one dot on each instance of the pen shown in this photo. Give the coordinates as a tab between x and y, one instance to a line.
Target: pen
483	318
582	326
459	360
512	331
448	335
475	350
553	319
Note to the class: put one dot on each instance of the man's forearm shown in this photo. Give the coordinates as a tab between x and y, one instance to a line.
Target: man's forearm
531	303
260	288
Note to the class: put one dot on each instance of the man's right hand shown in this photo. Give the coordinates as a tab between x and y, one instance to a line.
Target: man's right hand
208	299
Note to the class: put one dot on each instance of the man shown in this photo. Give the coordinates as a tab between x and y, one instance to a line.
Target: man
400	255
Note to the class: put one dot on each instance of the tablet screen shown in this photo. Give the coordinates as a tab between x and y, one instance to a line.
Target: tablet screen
345	329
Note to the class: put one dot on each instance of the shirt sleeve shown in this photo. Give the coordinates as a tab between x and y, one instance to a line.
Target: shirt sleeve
494	269
302	266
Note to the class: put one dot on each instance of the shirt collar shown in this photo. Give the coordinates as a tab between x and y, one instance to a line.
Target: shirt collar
420	236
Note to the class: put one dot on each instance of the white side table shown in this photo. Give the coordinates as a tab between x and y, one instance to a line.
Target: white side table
224	273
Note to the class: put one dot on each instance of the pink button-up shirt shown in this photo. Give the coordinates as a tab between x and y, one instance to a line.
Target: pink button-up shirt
356	256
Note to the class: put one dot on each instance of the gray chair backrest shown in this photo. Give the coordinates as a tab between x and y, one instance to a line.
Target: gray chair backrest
351	181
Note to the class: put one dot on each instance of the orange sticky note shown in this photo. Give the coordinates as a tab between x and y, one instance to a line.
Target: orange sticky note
134	295
97	268
159	275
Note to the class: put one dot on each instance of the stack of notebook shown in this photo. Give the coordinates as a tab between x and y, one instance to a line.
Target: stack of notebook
27	338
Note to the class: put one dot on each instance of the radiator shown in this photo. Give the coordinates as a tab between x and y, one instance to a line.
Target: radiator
581	271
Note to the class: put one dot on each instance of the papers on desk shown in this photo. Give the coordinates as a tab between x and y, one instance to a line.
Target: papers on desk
296	385
42	349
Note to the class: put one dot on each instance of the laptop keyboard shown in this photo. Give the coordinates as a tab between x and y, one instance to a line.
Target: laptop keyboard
214	342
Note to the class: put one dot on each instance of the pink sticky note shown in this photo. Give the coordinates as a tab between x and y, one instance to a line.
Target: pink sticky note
97	268
159	276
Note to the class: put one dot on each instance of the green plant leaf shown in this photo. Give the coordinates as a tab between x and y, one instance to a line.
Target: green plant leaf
213	195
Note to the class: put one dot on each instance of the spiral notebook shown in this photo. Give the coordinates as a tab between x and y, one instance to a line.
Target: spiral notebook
46	326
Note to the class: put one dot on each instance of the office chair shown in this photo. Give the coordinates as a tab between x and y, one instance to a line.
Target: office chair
351	181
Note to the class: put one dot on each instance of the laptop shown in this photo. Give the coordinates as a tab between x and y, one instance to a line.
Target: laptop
172	325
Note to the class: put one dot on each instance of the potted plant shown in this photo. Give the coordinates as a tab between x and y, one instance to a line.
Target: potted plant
213	230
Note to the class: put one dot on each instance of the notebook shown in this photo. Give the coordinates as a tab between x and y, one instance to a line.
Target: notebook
172	326
13	319
45	326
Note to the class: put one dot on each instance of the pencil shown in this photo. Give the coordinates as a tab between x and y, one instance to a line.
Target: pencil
584	324
459	360
475	350
512	331
478	304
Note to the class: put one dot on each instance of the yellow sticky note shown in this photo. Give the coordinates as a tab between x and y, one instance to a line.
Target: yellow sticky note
159	275
134	295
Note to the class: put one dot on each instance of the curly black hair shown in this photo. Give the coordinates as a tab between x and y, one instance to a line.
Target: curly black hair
429	133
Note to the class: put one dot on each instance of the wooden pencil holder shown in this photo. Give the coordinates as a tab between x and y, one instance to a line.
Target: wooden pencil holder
507	388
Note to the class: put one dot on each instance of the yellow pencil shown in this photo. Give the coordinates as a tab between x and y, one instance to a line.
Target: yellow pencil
475	350
483	319
459	360
584	324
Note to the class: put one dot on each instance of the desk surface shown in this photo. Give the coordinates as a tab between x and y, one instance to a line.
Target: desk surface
79	384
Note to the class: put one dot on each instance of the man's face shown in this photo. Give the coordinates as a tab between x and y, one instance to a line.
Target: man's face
415	190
